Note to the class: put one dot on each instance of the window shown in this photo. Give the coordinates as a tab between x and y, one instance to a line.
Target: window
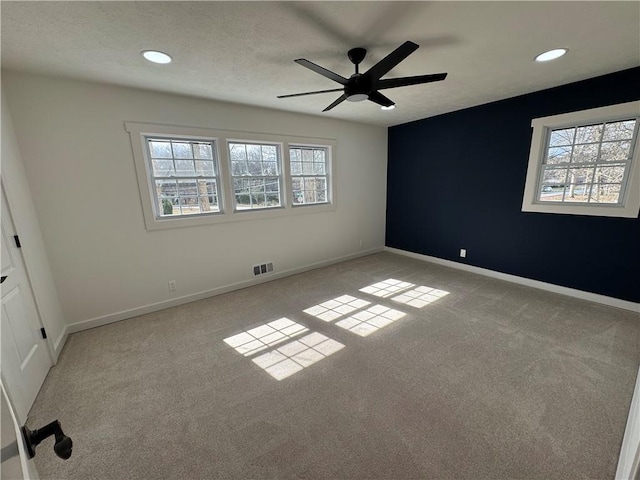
255	170
196	176
184	176
309	174
585	163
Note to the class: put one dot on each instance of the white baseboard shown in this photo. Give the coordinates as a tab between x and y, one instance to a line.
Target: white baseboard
629	460
58	344
154	307
571	292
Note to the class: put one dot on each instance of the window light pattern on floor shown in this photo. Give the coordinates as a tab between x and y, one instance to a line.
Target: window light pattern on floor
294	356
386	288
363	322
421	296
374	318
262	337
336	308
416	297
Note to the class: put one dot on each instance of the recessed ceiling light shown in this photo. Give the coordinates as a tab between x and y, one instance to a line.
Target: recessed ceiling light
551	55
156	57
390	107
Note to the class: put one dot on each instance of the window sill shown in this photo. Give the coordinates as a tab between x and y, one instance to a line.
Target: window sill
231	217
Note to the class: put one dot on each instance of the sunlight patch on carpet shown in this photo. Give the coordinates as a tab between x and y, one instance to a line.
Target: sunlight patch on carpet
260	338
372	319
297	355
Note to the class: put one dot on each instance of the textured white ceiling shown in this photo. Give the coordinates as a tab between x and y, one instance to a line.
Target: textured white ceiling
243	51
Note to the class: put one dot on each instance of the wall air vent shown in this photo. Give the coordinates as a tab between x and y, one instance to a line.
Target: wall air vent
262	269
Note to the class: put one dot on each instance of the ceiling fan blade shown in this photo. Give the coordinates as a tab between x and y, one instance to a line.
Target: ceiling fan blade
380	99
310	93
342	98
322	71
391	60
406	81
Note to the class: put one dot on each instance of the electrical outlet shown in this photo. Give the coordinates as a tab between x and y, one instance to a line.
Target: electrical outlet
463	252
172	286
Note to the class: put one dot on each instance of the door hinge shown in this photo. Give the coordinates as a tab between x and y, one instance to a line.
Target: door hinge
43	332
17	239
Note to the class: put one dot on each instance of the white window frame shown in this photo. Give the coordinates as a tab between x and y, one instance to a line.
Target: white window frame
153	177
328	172
280	175
629	205
138	133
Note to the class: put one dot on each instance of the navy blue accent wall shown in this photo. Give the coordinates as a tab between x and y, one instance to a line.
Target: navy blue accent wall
457	181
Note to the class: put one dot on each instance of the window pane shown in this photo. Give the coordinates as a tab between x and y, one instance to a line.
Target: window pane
615	151
237	152
607	193
307	168
208	203
295	154
168	206
187	188
559	155
296	168
254	153
189	205
577	193
554	175
270	168
239	168
551	193
298	197
269	153
163	168
562	137
580	175
160	149
585	153
319	168
204	168
241	185
619	130
307	155
609	174
202	150
589	134
166	188
272	185
182	150
184	168
207	187
255	167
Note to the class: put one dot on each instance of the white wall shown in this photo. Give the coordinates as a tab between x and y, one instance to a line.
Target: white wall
80	167
20	201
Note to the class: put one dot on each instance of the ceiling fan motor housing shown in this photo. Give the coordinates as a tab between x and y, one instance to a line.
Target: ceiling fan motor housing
358	87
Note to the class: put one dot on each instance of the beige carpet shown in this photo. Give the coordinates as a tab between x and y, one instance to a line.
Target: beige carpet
428	373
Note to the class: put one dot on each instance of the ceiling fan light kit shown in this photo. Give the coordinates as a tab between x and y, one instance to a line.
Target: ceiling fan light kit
365	86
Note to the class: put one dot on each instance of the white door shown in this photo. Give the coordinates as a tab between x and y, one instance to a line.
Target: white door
14	462
25	360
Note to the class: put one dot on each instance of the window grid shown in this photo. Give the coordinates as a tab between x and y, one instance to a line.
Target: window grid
309	175
184	176
588	163
256	175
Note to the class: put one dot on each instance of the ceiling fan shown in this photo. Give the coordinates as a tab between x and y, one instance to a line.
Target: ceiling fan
366	86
